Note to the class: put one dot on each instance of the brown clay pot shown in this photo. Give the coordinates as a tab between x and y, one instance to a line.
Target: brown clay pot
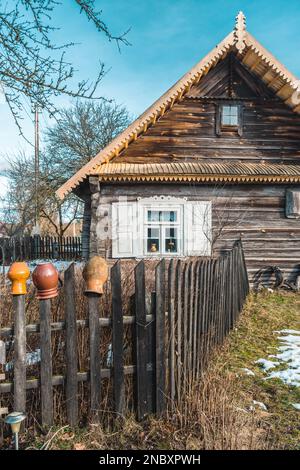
45	279
95	274
18	274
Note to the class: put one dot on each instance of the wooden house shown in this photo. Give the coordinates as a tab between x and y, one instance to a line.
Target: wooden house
216	158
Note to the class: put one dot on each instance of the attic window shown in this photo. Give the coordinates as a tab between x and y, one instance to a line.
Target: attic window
229	118
230	115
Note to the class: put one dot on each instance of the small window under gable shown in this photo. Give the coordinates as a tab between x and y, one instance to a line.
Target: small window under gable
229	118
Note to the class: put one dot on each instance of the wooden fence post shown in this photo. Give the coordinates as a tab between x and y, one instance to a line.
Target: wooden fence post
190	322
46	363
195	320
19	353
117	340
160	363
171	329
178	326
141	342
186	300
200	315
71	347
95	366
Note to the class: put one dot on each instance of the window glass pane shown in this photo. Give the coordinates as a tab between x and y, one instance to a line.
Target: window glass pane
152	240
233	110
162	216
234	120
226	120
153	216
169	216
230	115
171	240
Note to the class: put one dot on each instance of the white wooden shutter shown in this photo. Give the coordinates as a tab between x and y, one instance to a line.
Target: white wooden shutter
124	230
197	228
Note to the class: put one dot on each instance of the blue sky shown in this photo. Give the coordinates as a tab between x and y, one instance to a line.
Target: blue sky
168	37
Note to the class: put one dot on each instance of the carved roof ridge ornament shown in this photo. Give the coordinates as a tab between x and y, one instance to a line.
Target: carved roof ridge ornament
240	31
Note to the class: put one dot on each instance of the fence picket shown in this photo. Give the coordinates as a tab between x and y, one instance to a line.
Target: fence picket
160	362
19	353
46	363
178	326
171	320
117	340
95	371
71	347
141	342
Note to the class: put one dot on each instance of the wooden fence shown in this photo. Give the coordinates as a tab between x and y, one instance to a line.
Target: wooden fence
195	304
29	248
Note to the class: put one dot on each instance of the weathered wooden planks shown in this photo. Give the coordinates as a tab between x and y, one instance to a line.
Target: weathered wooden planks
160	362
141	342
19	353
95	369
46	363
117	340
71	346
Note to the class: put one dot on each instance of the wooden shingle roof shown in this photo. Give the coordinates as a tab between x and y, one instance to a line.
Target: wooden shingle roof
198	172
249	51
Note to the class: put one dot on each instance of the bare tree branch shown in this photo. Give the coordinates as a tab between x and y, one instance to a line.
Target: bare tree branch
31	64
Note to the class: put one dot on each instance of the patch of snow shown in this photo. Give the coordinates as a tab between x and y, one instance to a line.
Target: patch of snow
247	371
266	364
287	376
288	356
296	406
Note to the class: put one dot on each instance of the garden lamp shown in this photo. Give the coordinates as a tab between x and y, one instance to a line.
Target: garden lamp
15	419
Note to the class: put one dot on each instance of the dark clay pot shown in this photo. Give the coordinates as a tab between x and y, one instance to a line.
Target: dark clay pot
45	279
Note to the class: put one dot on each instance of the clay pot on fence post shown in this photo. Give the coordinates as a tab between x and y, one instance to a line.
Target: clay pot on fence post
18	274
45	279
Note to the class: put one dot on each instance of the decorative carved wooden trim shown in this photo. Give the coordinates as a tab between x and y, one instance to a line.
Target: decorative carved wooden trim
240	31
200	178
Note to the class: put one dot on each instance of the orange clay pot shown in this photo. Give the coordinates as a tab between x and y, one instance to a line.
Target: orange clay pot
95	274
45	279
18	274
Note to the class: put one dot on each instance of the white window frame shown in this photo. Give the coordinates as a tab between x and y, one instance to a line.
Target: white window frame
194	229
162	226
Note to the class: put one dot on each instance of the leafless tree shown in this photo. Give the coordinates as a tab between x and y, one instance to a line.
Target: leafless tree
31	65
18	204
80	132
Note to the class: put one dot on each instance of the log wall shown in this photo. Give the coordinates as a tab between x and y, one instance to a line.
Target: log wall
256	213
